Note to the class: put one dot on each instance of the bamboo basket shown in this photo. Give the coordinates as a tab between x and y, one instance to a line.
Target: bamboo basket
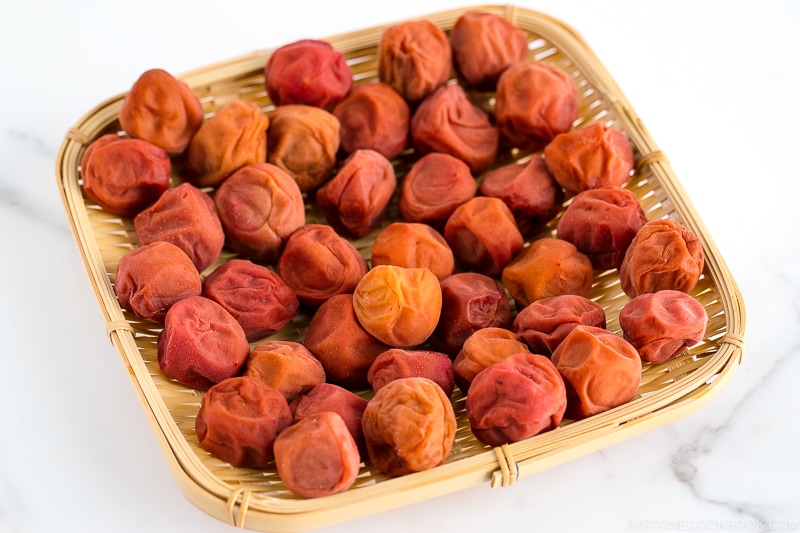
257	499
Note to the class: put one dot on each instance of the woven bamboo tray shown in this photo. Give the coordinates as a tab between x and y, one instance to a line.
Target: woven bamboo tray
257	499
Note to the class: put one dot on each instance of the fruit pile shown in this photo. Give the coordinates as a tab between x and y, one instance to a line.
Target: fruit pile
459	289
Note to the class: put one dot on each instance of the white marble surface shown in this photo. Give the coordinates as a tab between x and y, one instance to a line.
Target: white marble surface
715	82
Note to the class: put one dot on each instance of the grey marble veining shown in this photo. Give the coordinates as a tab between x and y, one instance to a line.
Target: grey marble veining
27	180
37	144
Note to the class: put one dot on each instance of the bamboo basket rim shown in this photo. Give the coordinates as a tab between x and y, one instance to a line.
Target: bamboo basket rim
690	387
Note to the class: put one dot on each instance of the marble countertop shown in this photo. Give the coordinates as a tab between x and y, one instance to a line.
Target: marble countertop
714	82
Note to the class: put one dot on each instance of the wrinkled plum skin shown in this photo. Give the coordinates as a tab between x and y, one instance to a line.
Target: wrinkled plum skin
484	45
601	370
318	263
374	117
470	301
356	199
664	255
239	420
161	110
124	176
152	278
234	137
548	267
601	223
448	122
397	363
590	157
286	366
260	206
201	343
413	245
535	102
660	325
483	348
307	72
546	322
414	58
187	217
254	295
484	235
529	190
317	456
409	426
397	305
435	186
515	399
345	349
329	397
313	128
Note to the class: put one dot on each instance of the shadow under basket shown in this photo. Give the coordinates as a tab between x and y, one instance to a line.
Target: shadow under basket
258	499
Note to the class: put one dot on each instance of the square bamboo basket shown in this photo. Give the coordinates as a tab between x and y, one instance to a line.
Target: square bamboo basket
257	499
